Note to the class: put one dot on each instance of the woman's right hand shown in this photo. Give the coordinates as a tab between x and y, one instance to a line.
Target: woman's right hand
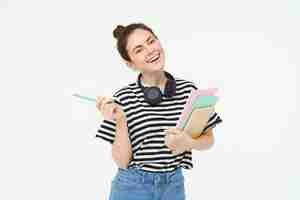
108	108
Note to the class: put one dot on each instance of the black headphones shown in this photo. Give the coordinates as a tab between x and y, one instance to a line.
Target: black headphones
153	94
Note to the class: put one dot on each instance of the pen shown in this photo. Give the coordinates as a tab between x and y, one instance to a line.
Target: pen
85	97
89	98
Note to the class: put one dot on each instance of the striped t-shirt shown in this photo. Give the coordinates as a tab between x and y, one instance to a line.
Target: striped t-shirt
146	126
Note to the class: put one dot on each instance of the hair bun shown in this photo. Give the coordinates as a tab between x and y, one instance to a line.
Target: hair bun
118	31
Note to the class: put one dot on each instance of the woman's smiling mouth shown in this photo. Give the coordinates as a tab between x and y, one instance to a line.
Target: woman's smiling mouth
154	59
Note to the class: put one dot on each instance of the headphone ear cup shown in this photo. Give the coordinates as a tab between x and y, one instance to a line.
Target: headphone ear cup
152	95
170	88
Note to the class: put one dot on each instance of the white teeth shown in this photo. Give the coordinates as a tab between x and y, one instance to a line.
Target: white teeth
154	58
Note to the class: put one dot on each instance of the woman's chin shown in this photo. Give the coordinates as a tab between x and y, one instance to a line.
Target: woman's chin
157	66
154	67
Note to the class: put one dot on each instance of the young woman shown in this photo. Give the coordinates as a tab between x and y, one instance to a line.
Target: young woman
139	121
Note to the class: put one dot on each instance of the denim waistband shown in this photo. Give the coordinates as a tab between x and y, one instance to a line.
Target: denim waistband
138	175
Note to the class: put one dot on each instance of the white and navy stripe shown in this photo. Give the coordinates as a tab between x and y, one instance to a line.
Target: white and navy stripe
146	125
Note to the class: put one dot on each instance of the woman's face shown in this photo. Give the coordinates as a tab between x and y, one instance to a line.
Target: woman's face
145	51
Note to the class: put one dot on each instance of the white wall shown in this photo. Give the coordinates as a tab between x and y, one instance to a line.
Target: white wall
51	49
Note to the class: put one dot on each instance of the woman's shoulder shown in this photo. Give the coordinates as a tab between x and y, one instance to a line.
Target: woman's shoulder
125	90
185	82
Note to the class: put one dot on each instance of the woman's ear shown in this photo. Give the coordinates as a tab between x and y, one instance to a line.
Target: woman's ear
128	64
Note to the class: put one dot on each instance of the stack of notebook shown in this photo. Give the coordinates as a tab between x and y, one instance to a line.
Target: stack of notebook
197	110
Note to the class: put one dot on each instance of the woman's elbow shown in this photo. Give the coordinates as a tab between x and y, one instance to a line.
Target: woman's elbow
206	143
210	142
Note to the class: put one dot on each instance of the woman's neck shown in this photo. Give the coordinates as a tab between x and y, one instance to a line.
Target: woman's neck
154	79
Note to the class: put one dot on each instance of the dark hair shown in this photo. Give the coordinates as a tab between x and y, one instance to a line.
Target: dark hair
122	33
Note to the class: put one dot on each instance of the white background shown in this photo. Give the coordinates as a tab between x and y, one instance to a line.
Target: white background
51	49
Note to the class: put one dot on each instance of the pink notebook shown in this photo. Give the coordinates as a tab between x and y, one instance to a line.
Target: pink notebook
188	106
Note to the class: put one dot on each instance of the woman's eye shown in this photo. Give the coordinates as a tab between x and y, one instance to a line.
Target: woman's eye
151	41
138	51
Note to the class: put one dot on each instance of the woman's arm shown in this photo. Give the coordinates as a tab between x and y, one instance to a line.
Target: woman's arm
121	147
179	141
203	142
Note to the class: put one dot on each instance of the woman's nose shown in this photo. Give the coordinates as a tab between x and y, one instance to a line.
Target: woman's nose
149	50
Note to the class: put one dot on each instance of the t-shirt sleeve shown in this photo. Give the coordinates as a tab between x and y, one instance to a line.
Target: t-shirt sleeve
107	128
213	120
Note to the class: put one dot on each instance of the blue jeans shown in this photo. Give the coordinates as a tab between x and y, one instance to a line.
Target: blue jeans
136	184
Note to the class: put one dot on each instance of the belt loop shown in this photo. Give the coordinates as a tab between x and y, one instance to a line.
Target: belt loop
143	177
140	174
155	179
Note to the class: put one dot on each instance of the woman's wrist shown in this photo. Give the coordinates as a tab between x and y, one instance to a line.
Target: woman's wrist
121	118
188	141
120	115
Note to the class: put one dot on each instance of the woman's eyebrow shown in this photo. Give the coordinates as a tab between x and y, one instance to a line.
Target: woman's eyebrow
140	44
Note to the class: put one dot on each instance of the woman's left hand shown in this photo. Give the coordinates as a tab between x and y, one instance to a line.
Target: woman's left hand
177	140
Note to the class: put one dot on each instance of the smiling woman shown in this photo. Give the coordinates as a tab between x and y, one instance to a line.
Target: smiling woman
143	114
141	51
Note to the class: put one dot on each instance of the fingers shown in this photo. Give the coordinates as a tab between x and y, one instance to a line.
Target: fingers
98	102
173	130
101	101
105	101
170	141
